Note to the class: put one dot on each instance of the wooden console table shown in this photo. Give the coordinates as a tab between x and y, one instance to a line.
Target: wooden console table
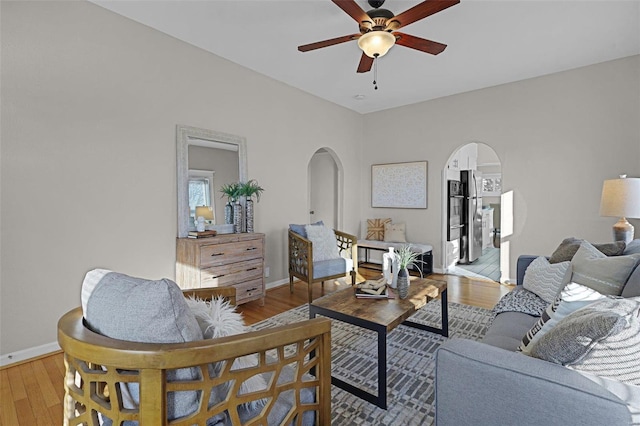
228	259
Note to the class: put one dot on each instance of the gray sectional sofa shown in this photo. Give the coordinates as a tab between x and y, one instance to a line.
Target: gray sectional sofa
489	383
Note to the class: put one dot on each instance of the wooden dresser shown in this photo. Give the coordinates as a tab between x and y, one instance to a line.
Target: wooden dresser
229	259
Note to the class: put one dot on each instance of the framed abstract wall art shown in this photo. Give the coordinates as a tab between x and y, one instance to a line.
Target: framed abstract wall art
399	185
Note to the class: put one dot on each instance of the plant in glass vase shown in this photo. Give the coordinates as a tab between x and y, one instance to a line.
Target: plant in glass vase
405	258
231	191
248	190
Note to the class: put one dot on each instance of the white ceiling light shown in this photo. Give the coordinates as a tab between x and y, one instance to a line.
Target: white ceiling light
375	44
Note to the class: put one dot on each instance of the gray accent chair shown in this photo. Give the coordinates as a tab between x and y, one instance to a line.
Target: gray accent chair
302	266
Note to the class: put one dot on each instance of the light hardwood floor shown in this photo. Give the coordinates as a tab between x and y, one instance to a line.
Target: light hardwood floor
32	392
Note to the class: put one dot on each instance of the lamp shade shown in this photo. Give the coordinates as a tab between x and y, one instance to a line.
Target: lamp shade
204	211
621	198
376	43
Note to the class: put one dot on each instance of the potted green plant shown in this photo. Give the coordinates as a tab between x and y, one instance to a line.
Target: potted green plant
248	190
232	192
405	258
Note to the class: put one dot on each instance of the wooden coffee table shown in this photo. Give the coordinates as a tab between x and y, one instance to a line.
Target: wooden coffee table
381	316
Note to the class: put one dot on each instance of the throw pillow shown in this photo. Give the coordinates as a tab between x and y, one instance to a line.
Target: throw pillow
569	246
606	275
574	337
633	247
375	228
325	246
602	339
219	318
138	310
572	297
300	229
394	233
546	280
121	307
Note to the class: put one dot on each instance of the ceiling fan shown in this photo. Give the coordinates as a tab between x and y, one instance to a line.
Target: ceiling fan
378	29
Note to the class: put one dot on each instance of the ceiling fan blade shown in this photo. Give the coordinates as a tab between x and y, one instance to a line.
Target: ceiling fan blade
352	9
365	63
326	43
418	43
419	11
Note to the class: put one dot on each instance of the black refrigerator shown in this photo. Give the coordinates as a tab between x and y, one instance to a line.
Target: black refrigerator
471	235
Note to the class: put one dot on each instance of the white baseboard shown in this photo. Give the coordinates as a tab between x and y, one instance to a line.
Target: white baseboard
275	284
28	353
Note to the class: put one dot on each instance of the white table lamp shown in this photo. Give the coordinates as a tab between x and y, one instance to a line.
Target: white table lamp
621	198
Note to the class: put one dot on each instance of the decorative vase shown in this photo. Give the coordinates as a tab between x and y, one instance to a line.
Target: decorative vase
390	268
403	283
249	214
237	217
228	213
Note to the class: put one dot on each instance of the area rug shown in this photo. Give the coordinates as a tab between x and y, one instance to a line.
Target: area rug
410	363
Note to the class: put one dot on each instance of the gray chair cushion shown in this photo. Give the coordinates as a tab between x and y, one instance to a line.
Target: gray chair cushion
507	330
327	268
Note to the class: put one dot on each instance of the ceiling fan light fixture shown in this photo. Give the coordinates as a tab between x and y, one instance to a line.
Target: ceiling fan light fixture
376	43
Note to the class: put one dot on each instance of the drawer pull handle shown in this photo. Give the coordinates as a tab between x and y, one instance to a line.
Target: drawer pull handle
218	276
252	289
252	248
252	269
217	254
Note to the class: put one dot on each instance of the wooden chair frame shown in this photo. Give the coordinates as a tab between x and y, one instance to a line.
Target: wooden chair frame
301	255
96	364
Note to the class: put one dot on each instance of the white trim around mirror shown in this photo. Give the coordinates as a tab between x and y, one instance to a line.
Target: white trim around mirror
187	135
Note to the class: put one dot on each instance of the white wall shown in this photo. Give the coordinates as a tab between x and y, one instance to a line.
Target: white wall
90	103
558	137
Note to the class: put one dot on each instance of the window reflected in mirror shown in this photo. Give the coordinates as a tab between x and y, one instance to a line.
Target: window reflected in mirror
201	191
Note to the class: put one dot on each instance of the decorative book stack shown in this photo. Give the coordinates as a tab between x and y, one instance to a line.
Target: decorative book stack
202	234
374	289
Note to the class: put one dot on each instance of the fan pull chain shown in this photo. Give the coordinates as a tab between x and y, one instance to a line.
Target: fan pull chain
375	71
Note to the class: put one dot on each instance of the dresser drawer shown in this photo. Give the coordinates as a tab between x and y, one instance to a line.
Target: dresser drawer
232	273
249	289
221	254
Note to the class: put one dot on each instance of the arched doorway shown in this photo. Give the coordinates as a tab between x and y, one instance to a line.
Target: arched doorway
325	188
472	187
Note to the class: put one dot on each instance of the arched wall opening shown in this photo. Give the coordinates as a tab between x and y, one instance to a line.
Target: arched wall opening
472	214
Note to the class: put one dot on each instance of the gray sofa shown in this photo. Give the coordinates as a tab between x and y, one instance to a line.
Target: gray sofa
488	383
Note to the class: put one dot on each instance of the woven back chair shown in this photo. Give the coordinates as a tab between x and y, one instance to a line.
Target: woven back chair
96	366
301	263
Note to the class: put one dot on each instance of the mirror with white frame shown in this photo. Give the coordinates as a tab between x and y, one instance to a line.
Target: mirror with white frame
206	160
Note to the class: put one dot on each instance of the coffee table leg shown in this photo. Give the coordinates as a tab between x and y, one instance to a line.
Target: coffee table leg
382	369
445	313
444	330
381	332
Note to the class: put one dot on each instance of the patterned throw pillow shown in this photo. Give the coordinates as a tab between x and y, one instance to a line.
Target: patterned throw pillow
394	233
325	245
546	280
572	297
602	339
606	275
375	228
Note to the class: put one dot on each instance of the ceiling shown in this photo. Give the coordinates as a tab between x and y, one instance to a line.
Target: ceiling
489	43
